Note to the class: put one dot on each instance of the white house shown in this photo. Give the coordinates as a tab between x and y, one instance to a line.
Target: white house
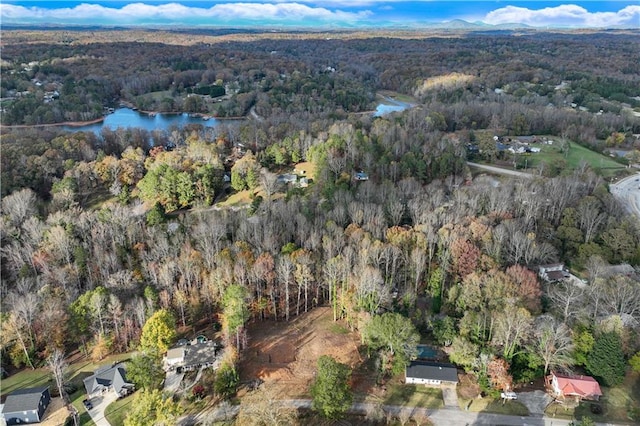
430	373
174	357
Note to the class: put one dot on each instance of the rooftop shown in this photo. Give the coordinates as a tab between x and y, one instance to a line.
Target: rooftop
432	371
23	400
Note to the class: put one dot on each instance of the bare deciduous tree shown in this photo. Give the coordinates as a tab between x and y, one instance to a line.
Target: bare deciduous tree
58	367
567	298
552	342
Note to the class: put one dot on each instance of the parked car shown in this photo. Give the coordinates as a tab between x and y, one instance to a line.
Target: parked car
87	404
508	395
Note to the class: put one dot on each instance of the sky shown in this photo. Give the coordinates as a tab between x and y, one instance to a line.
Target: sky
332	14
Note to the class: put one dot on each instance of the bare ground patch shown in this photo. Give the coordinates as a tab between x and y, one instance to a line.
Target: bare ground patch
285	354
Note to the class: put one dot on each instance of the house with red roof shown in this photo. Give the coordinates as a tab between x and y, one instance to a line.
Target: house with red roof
578	387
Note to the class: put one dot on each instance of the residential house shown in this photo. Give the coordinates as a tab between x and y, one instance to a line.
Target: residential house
108	379
194	355
287	178
431	373
175	357
553	272
26	406
578	387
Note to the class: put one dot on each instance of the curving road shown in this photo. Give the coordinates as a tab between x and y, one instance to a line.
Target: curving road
627	191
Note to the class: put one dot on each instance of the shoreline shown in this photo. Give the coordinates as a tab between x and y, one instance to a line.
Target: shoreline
65	123
201	115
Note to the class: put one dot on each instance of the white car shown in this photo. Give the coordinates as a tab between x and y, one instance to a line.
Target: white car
508	395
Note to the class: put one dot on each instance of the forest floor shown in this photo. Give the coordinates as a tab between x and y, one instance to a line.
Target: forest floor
284	354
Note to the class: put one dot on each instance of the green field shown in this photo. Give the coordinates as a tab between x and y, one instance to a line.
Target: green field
552	156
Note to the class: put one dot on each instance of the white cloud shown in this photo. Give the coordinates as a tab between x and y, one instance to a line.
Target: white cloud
566	15
174	12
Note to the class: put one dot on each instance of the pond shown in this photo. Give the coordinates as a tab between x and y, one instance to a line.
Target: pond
129	118
390	105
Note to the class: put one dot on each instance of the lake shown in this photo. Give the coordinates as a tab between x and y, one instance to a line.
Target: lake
390	105
127	117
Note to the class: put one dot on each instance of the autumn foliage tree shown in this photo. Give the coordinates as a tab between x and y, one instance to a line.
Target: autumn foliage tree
158	333
498	372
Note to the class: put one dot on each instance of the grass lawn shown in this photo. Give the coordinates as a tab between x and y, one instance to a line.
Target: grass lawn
117	411
26	379
78	371
490	405
241	198
577	155
307	169
413	396
76	401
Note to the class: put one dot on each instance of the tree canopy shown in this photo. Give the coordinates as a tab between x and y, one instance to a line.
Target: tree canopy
158	333
330	391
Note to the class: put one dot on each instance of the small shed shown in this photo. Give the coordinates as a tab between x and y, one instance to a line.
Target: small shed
26	406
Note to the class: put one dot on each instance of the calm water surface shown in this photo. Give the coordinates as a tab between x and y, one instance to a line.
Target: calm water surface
128	118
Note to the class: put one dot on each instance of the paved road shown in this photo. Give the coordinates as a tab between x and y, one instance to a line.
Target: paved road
439	417
627	190
501	171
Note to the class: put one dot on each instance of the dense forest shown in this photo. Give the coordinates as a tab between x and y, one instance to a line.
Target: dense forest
99	231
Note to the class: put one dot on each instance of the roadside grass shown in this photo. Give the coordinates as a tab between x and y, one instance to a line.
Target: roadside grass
413	396
490	405
116	412
558	411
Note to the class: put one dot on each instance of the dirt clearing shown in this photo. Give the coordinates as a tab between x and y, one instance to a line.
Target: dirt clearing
285	354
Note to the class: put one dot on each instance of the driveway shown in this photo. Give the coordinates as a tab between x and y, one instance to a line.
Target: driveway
172	381
535	401
450	396
100	403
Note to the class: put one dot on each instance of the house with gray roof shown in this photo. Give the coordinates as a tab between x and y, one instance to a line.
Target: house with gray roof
106	379
431	373
26	406
194	355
